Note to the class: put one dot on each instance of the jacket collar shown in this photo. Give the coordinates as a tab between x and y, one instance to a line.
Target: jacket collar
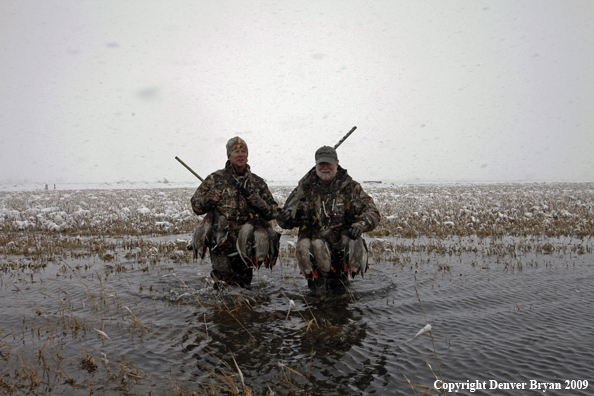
311	180
233	171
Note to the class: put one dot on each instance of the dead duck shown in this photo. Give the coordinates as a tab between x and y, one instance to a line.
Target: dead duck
199	239
355	255
303	252
220	230
258	243
310	251
211	233
261	245
274	247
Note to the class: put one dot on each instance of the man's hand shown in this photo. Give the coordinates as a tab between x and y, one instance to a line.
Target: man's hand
212	195
356	230
258	202
284	215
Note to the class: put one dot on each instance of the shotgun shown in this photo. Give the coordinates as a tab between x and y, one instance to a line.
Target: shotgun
344	138
190	169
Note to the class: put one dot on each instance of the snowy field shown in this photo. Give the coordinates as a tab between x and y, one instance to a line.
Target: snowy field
549	209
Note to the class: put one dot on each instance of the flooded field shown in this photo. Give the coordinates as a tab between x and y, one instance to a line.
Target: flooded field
100	296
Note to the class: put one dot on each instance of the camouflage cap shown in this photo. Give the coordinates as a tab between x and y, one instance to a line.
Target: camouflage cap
234	144
326	154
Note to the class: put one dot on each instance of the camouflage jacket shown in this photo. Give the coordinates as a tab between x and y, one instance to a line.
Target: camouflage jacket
232	204
316	207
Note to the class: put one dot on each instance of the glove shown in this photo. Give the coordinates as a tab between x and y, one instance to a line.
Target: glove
258	202
356	230
284	215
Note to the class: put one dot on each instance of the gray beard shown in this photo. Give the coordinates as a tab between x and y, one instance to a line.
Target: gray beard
325	177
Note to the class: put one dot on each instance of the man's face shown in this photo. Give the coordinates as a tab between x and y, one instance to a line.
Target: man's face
326	172
239	158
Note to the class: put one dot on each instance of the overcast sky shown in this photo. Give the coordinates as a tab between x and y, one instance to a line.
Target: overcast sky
113	90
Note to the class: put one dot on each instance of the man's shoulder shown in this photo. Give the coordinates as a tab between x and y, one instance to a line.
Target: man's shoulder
345	180
351	182
257	179
219	173
308	178
217	176
349	186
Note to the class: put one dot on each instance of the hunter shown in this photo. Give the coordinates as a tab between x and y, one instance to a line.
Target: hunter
241	197
332	212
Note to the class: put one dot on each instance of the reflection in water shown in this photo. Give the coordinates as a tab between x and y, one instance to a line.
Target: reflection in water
311	340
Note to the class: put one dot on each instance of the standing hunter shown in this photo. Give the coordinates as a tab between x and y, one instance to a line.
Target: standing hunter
332	212
240	196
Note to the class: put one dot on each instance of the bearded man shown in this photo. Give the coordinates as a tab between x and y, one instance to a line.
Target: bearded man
332	212
236	196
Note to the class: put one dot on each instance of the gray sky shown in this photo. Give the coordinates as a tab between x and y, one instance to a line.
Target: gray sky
439	90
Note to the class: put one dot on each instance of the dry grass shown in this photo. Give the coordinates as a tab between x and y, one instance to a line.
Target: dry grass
493	210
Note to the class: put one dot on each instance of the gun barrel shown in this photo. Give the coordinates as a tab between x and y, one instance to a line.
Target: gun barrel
345	137
188	168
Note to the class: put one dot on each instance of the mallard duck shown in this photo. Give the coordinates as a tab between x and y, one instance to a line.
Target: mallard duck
258	243
310	251
211	233
199	239
303	252
355	255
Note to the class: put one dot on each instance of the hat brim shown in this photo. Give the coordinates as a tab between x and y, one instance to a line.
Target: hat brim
327	159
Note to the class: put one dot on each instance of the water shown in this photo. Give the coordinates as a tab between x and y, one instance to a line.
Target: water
509	318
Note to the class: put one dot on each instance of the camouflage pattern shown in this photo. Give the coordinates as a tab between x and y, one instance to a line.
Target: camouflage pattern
317	207
326	212
234	144
232	204
227	264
